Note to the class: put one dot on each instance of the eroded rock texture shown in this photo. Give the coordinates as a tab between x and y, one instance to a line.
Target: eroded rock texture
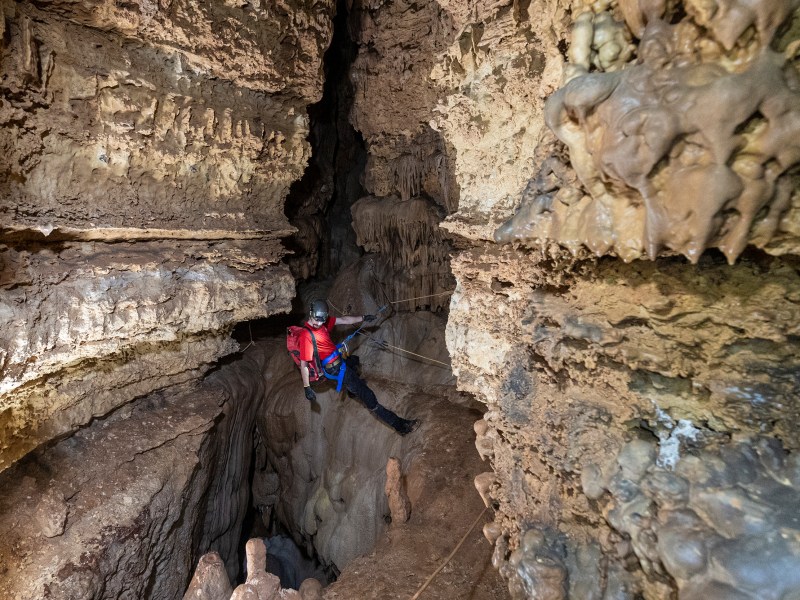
126	506
146	152
642	422
630	405
321	466
691	144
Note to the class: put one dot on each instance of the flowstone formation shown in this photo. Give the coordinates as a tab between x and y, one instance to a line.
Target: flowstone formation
684	140
146	152
210	581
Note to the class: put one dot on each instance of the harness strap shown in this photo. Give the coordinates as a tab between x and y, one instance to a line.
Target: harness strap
339	377
317	366
331	357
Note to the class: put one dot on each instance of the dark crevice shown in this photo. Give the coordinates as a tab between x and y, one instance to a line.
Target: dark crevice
319	203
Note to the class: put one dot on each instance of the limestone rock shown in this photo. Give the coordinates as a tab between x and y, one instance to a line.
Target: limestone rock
51	513
399	504
210	581
256	555
244	592
266	585
311	589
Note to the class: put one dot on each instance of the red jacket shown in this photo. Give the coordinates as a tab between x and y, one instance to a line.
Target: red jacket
325	345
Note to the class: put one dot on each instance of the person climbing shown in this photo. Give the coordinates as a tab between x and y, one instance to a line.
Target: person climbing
320	324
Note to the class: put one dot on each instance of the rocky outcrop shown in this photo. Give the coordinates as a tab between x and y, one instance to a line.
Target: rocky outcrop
690	146
629	405
211	583
633	408
146	152
129	503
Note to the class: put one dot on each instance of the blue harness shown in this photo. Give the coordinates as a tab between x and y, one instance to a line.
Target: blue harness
339	377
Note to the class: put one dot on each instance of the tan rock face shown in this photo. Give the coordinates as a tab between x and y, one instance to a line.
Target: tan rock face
90	515
689	147
147	151
609	385
399	504
179	126
630	407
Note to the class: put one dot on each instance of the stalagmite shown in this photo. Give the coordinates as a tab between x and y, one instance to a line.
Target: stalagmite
484	483
399	504
210	581
245	592
256	553
311	589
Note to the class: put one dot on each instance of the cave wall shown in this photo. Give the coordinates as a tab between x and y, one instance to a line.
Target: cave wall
126	506
642	421
321	466
632	404
146	153
641	413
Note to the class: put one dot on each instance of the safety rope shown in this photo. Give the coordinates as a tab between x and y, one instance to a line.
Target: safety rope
399	301
420	297
385	344
447	560
251	338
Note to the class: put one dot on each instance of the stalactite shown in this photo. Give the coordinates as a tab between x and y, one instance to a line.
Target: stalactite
409	172
407	231
416	254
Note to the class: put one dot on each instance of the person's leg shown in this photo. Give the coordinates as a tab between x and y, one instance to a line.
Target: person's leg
358	387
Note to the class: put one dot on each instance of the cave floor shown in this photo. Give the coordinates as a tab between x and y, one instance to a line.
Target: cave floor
55	519
444	506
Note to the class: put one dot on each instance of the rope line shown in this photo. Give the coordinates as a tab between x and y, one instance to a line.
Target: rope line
383	343
398	301
419	297
339	310
446	560
251	337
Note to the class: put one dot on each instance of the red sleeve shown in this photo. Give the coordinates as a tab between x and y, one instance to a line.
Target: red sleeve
306	347
329	324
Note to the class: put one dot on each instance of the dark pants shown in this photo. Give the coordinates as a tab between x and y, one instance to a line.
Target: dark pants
354	384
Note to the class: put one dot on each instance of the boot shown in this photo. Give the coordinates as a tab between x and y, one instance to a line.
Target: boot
407	426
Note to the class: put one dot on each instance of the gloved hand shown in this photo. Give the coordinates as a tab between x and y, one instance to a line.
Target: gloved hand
369	318
310	395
